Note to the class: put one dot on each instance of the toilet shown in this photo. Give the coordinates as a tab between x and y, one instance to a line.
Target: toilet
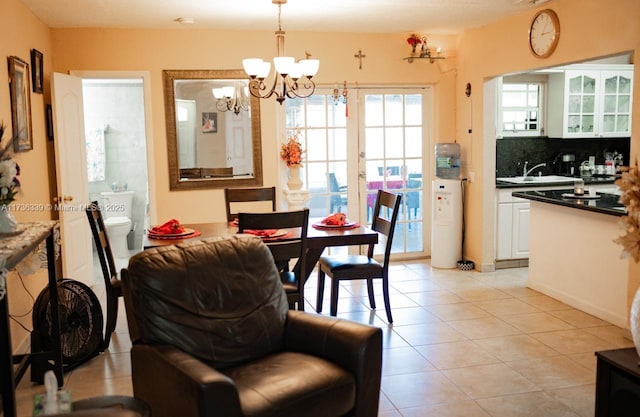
116	212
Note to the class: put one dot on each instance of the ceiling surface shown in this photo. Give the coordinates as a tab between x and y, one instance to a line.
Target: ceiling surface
379	16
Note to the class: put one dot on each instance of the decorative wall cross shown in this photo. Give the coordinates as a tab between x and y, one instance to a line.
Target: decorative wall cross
360	55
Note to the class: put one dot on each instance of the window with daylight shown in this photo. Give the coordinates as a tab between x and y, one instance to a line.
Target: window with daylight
520	109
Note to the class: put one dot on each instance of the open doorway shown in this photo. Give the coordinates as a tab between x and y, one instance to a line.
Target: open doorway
116	150
117	111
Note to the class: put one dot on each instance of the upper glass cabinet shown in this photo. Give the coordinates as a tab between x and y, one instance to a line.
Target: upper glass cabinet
591	101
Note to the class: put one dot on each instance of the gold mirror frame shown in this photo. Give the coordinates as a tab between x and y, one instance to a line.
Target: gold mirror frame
175	183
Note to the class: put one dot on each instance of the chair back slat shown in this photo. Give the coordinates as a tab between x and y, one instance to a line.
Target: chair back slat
386	202
103	247
112	286
244	195
283	250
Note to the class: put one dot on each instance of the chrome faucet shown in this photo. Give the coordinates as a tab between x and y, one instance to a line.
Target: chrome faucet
525	172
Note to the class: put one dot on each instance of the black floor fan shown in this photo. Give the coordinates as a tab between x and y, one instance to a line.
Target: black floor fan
81	323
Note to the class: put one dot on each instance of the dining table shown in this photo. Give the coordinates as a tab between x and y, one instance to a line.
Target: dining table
318	238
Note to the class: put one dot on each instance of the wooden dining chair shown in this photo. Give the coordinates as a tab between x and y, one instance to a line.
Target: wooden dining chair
353	267
113	289
190	173
285	249
244	195
216	172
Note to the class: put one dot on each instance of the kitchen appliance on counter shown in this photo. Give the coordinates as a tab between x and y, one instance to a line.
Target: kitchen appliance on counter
567	166
586	169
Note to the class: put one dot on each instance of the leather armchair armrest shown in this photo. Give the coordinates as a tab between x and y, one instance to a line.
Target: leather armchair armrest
175	383
106	412
354	346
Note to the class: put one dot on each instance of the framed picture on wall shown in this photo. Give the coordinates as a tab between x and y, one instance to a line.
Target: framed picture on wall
20	104
209	122
36	70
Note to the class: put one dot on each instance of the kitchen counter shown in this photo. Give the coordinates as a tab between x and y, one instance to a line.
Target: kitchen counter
605	204
535	184
572	254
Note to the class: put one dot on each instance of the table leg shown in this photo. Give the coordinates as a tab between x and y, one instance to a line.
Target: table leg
7	384
41	360
313	255
56	353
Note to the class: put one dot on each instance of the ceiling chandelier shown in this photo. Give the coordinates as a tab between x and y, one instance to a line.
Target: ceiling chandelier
231	98
291	79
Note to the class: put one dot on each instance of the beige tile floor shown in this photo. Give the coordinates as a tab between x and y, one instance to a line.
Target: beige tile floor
462	343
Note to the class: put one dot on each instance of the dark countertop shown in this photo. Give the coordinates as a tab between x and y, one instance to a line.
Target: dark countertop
536	184
606	204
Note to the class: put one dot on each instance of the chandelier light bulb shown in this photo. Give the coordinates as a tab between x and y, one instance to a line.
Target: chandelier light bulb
217	93
284	64
296	71
228	91
310	67
251	66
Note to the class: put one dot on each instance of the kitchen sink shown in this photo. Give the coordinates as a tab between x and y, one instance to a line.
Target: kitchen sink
536	179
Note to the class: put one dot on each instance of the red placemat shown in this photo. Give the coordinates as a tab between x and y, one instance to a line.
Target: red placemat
175	237
347	226
273	234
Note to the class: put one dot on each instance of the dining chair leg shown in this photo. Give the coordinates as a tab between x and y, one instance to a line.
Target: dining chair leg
372	298
320	295
112	318
385	295
333	309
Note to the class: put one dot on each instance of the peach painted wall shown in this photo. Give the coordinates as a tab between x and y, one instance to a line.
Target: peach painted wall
589	28
21	31
155	50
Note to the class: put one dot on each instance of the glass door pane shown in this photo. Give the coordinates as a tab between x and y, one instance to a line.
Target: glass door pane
323	133
392	140
378	144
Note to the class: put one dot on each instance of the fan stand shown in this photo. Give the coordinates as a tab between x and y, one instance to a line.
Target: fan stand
464	265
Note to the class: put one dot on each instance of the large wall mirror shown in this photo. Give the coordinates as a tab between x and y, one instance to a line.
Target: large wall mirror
212	141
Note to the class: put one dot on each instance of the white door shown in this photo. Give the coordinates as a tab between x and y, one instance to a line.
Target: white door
71	171
393	134
239	146
186	110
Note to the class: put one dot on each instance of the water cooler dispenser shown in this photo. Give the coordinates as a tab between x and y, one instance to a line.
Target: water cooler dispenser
446	224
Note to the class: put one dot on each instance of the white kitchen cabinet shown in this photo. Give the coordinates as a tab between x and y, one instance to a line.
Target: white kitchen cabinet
520	232
512	234
512	222
590	101
604	188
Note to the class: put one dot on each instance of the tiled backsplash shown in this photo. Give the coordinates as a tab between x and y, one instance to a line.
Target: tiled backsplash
511	153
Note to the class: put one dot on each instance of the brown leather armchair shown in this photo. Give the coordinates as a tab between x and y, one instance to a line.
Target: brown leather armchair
213	336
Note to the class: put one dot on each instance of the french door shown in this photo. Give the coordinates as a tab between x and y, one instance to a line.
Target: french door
374	140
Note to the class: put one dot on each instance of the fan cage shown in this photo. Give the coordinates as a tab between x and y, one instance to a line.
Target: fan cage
80	318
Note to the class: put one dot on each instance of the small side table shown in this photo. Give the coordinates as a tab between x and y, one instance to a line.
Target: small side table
618	383
113	401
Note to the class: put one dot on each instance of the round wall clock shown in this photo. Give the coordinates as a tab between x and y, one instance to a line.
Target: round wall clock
544	33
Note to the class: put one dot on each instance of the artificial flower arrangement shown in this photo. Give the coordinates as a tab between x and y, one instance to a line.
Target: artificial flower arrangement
629	184
414	40
9	171
291	152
